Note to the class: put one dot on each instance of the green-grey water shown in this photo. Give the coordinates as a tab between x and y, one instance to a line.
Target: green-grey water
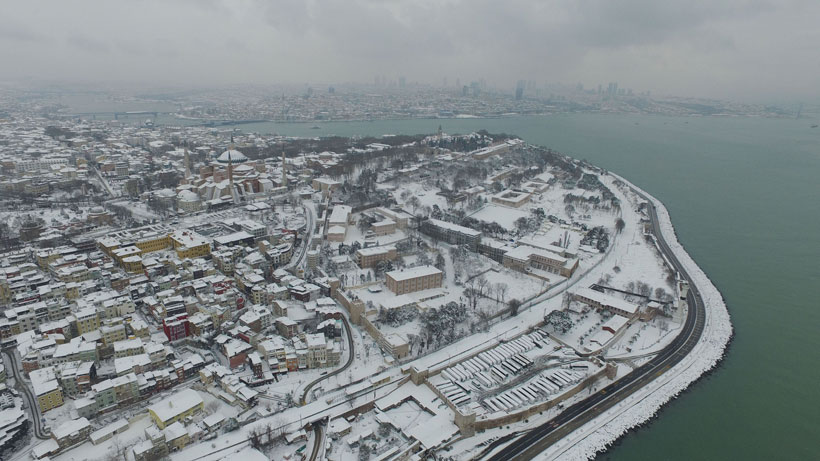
744	196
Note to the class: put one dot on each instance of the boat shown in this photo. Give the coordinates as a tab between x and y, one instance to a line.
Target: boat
315	127
814	126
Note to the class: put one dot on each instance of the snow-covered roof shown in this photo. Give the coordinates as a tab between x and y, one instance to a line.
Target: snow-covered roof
69	427
372	251
413	272
454	227
232	155
176	404
607	301
188	196
615	323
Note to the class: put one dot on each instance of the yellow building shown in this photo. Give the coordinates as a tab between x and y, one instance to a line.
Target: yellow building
155	242
132	264
72	290
175	408
369	257
48	392
413	279
87	320
176	436
113	333
189	244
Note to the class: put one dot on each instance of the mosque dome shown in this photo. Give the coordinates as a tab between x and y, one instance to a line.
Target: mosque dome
188	196
232	155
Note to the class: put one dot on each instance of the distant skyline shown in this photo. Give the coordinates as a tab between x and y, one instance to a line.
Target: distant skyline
751	50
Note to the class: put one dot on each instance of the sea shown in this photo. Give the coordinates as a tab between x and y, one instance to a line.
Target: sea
744	197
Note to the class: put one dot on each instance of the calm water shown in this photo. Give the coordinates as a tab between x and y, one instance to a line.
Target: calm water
744	195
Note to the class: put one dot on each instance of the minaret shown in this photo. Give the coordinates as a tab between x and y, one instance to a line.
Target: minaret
187	161
230	169
230	165
284	171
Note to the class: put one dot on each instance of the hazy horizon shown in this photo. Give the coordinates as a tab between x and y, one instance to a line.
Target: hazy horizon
743	50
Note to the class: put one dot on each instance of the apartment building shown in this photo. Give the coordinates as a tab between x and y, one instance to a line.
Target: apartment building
369	257
413	279
451	233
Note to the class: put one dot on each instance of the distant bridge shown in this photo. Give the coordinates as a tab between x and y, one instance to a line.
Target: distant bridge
117	115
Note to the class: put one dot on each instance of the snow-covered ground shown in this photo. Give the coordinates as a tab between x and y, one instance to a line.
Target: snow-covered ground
636	261
505	216
599	433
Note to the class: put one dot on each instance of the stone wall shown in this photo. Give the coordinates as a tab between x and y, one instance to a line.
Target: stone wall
535	409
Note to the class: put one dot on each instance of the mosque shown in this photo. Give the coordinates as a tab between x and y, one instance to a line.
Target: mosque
227	179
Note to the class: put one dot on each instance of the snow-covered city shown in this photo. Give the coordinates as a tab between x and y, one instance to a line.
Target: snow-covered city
193	293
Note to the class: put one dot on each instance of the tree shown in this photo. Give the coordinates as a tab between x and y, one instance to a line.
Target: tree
660	293
501	290
559	320
255	438
436	212
364	452
380	268
514	305
482	284
619	225
471	293
414	203
440	262
364	223
522	224
118	450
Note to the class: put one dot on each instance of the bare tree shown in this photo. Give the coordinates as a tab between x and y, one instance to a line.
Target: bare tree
255	438
118	450
501	290
212	407
414	203
482	284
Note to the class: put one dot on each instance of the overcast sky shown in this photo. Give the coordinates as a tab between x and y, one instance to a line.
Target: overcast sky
729	49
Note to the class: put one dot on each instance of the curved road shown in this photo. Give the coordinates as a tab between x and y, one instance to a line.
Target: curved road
28	396
541	437
335	372
296	263
318	434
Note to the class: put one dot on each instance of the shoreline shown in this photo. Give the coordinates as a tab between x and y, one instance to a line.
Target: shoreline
640	409
204	123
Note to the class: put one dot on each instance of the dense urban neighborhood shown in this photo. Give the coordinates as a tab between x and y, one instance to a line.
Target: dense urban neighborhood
192	292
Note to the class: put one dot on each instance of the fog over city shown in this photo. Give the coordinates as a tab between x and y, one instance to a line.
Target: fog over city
754	50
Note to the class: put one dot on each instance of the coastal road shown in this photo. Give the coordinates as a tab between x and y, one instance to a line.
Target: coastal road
541	437
303	400
28	396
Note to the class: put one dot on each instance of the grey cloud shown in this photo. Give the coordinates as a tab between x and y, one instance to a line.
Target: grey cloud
10	31
658	45
87	43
